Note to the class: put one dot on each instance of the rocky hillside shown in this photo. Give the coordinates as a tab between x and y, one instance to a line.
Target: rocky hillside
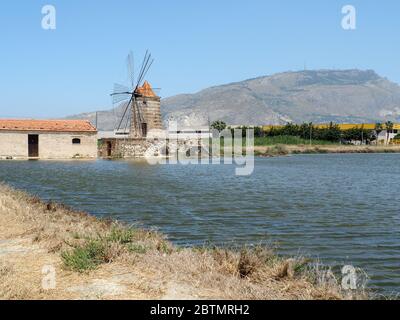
317	96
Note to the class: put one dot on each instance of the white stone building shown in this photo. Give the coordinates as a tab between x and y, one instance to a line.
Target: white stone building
387	138
47	139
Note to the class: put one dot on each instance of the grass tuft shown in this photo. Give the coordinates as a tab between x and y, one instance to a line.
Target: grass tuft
109	246
85	257
121	235
137	248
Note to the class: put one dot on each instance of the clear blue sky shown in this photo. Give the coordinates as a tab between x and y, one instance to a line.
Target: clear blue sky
196	44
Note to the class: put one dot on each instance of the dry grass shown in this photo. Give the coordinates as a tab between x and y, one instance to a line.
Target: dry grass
99	259
272	151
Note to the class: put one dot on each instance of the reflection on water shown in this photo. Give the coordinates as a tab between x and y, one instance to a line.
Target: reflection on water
340	208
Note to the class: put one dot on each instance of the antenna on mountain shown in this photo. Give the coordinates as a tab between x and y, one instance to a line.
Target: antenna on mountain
129	96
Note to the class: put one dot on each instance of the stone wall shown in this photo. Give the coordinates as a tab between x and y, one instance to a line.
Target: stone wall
146	147
14	145
125	148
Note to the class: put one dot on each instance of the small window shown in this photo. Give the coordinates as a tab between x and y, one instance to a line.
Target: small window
76	141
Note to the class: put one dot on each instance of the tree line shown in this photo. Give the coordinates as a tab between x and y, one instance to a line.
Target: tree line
331	132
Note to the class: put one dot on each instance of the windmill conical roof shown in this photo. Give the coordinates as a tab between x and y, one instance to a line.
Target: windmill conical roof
146	90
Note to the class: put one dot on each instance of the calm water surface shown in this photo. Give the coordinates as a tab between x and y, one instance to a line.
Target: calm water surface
343	209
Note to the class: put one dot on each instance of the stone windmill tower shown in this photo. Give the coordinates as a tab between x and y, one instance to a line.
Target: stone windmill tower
142	112
149	105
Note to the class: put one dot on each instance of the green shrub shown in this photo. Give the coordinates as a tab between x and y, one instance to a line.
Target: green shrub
86	257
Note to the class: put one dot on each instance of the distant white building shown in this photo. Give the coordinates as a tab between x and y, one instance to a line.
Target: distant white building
112	135
190	133
384	138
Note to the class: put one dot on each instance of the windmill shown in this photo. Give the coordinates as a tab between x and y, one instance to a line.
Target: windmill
133	114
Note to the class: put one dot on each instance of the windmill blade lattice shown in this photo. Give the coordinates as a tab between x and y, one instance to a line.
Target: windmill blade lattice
131	68
121	93
134	118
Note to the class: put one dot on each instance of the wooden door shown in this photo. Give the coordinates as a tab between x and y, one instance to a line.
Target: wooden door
33	146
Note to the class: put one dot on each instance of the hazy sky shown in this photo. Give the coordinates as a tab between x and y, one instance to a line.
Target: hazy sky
196	44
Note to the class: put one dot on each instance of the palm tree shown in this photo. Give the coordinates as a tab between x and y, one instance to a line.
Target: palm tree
218	125
378	130
389	129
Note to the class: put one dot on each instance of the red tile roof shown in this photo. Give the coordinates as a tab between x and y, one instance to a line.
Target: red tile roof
47	125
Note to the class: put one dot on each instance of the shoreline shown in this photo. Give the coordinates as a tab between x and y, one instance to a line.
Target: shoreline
102	259
280	150
264	151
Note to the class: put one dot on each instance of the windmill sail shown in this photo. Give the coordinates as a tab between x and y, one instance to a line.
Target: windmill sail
121	93
133	116
131	68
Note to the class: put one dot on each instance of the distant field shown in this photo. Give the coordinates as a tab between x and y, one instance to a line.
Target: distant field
289	140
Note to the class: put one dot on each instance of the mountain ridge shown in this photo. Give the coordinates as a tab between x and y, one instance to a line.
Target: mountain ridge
293	96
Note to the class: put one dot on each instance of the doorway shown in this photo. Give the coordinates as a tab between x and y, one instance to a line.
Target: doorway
109	149
33	146
144	129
